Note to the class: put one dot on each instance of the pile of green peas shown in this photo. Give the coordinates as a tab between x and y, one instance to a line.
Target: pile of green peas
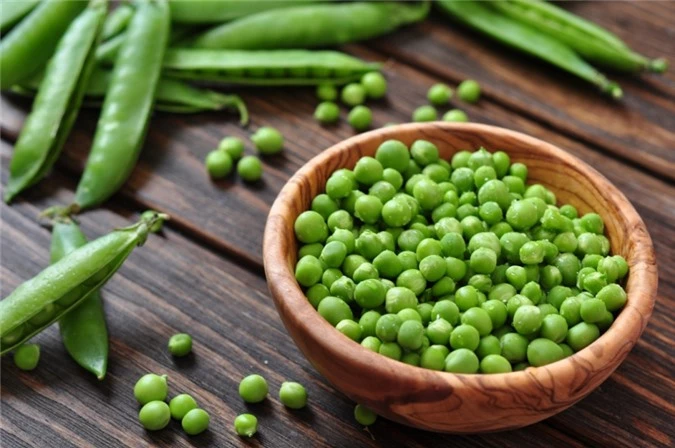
457	266
373	85
439	95
151	392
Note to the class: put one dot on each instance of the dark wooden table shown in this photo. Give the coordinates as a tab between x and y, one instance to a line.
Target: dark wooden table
204	275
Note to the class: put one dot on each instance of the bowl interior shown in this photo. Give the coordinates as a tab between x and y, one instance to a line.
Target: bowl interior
442	401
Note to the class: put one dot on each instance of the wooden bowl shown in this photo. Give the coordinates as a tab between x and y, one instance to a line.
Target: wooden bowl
458	403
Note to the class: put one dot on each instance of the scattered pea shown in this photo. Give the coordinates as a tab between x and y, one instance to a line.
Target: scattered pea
360	118
364	416
425	113
154	415
326	92
249	168
246	425
469	91
293	395
233	146
375	85
268	140
218	164
196	421
253	389
327	112
439	94
181	405
151	387
455	115
180	344
353	94
27	356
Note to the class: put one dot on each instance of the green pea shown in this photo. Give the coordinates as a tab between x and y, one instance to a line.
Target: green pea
478	318
447	310
554	327
543	351
180	344
391	350
293	395
154	415
433	358
592	310
249	168
364	416
439	94
327	112
350	329
326	92
195	422
495	363
180	405
613	296
393	154
246	425
268	140
27	356
464	336
218	164
233	146
424	113
253	388
461	360
360	118
151	387
582	335
469	91
455	115
374	84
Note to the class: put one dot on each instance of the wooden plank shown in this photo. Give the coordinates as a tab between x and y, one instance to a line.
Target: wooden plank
640	128
167	286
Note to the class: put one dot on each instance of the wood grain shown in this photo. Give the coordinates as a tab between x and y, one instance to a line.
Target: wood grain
440	401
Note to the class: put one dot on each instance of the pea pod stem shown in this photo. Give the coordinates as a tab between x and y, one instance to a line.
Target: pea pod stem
528	40
209	11
66	283
57	102
307	26
592	42
12	12
127	106
270	67
83	330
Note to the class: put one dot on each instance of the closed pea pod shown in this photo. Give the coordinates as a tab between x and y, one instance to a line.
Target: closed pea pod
83	329
31	43
117	21
58	100
127	106
173	95
63	286
219	11
290	67
322	25
527	39
590	41
13	12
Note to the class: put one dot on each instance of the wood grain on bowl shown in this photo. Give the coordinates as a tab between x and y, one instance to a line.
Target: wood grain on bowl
442	401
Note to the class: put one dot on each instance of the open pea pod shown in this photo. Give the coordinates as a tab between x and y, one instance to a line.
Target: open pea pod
12	12
266	67
37	303
173	95
83	329
57	102
28	46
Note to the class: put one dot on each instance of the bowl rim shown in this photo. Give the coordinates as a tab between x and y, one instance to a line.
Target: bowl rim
288	295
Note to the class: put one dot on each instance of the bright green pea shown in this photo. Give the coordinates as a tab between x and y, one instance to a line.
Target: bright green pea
353	94
391	350
327	112
613	296
495	363
592	310
461	360
410	335
469	91
268	140
433	358
181	405
514	347
180	344
233	146
424	114
293	395
154	415
372	343
455	115
478	318
195	421
582	335
27	356
218	164
326	92
350	329
334	309
543	351
151	387
249	168
554	327
439	94
464	336
374	84
445	309
527	319
246	425
488	345
253	388
360	118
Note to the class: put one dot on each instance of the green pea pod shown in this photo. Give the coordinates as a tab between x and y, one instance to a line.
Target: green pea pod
57	102
61	287
272	67
117	21
29	45
526	39
593	43
12	12
219	11
173	95
312	26
127	106
106	54
83	329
